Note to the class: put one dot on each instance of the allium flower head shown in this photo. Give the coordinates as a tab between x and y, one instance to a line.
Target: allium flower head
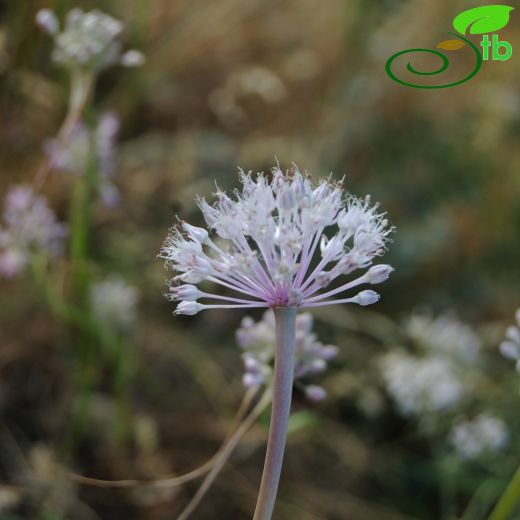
420	385
444	336
85	145
89	40
268	235
114	302
510	347
485	433
257	340
29	226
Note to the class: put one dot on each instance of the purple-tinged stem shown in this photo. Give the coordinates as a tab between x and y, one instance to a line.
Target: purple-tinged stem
285	318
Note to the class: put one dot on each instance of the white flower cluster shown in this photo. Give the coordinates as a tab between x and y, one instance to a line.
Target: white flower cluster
29	227
483	434
434	379
445	336
114	302
269	236
89	40
257	340
510	347
85	145
421	385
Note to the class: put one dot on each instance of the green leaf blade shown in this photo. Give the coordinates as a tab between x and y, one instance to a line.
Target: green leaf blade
484	19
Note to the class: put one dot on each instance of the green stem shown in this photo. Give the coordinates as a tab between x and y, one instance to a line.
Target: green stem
83	191
282	393
124	364
80	224
87	344
82	84
508	500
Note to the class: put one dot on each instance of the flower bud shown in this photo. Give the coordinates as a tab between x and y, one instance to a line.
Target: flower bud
315	393
317	366
186	293
366	298
249	379
333	247
378	273
200	270
195	233
298	187
368	243
188	308
354	219
329	352
513	333
251	364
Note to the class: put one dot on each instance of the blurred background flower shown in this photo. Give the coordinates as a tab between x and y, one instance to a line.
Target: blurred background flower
30	228
257	340
114	302
421	385
74	155
483	434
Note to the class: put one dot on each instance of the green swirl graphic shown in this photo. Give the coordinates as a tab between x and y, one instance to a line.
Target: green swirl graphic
444	65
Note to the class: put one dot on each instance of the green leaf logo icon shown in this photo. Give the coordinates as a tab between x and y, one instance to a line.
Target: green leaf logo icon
481	20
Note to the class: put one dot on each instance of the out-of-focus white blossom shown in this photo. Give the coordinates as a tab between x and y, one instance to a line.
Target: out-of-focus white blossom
29	227
444	336
132	58
510	347
254	81
270	235
421	385
73	155
84	148
483	434
114	302
88	40
257	340
260	81
436	377
47	20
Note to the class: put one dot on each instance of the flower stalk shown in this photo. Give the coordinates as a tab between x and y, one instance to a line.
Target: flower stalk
268	235
82	84
285	318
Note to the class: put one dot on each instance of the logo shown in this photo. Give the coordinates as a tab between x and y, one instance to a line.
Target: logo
479	20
